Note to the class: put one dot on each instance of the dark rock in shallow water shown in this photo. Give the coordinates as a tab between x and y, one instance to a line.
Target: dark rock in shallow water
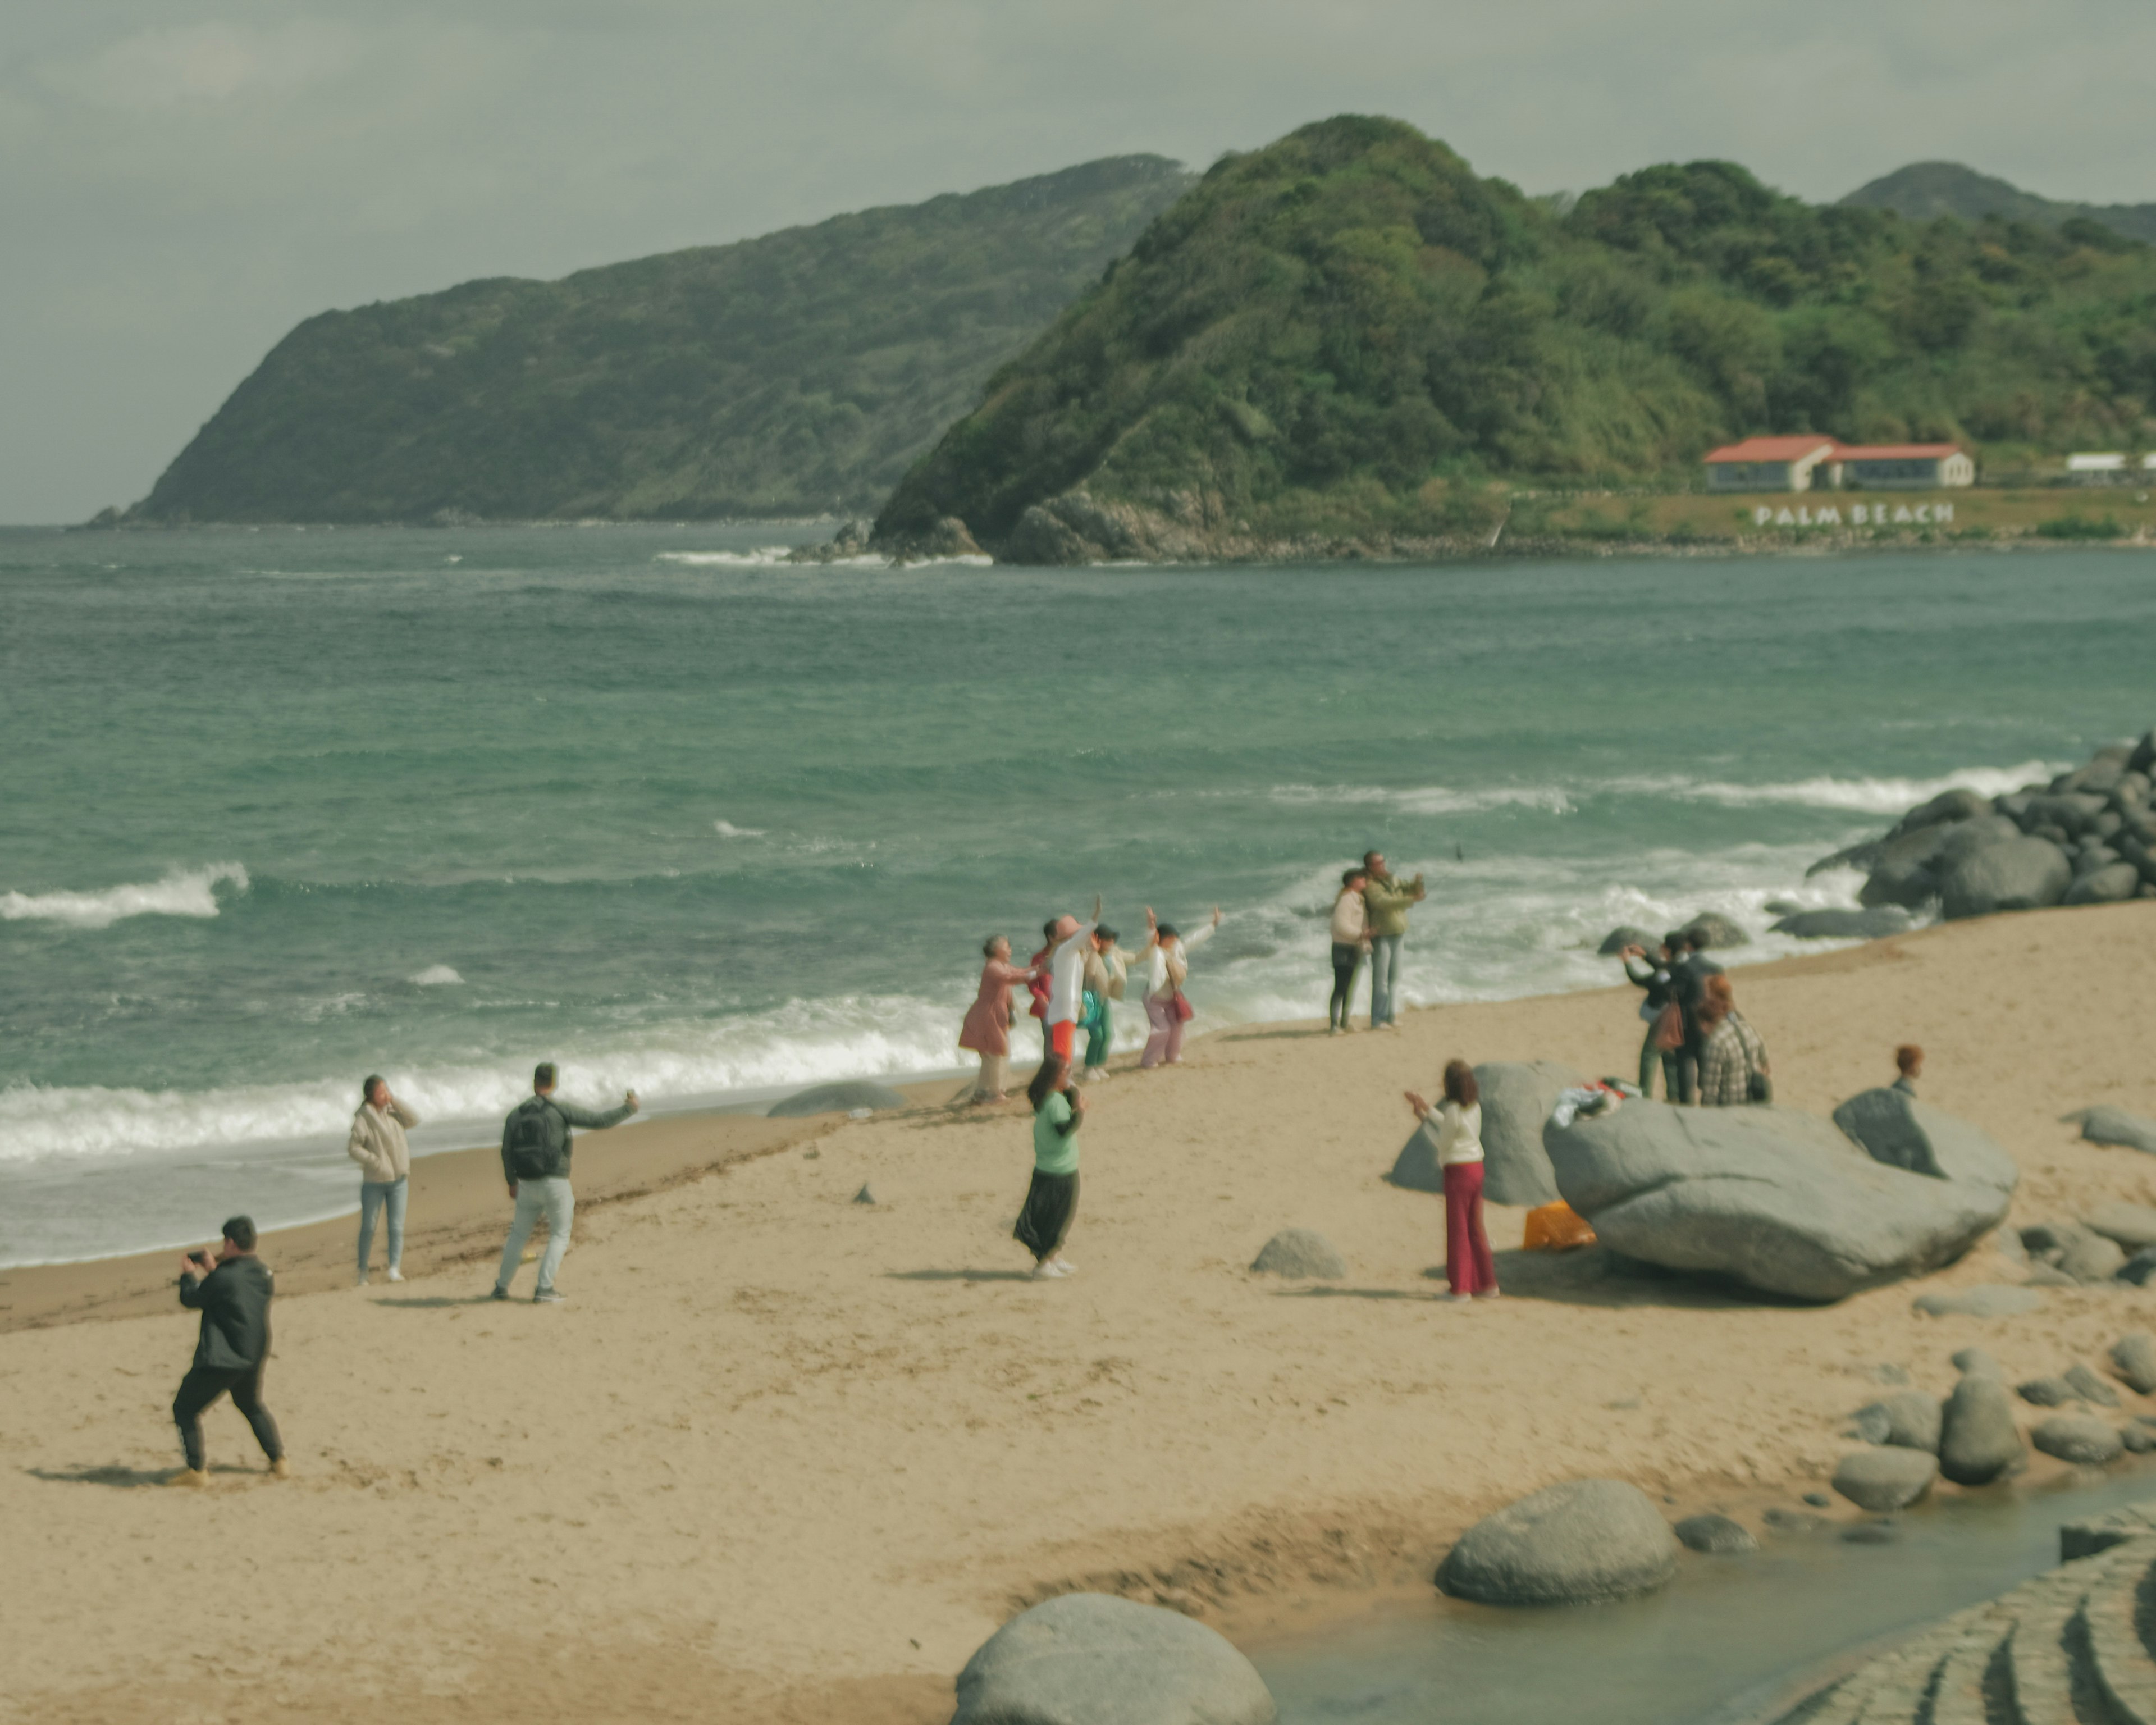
2090	1388
1718	1535
1583	1541
1628	935
1299	1252
1978	1438
2106	1125
1952	805
2080	1438
1517	1097
1876	923
1791	1521
1719	929
2133	1358
837	1099
1986	1300
1778	1200
1907	1421
2132	1225
1869	1533
1883	1480
2014	875
1091	1659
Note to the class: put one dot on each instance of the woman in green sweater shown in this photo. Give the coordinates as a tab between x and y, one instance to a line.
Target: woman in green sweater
1051	1200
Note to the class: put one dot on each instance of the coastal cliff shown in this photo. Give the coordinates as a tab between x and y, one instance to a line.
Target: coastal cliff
1350	338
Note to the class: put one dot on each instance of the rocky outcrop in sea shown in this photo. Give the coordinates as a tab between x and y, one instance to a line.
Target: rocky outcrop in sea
2086	838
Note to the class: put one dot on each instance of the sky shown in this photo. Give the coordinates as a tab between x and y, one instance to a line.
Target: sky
180	182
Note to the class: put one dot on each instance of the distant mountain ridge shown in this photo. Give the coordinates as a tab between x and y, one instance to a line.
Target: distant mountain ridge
1925	190
801	371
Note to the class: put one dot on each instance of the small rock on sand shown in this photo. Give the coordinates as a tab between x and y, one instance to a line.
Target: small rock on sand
2138	1439
2090	1388
2081	1437
1720	1537
2106	1125
1978	1438
1975	1363
1302	1254
2139	1267
836	1099
1986	1300
1907	1421
2133	1358
1084	1658
2046	1392
2091	1259
1582	1541
2132	1225
1884	1479
866	1194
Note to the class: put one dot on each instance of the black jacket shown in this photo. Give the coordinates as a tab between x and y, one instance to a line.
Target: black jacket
233	1299
535	1138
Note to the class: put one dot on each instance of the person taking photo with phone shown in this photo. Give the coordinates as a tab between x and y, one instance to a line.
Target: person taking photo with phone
534	1161
233	1294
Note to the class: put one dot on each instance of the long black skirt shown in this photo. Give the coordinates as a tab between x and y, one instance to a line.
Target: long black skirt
1051	1201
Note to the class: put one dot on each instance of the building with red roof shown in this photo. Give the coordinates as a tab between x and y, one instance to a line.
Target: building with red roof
1802	464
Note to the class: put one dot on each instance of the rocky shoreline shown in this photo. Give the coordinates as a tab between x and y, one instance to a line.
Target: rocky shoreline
2088	837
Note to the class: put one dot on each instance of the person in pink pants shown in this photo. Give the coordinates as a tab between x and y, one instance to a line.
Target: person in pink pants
1163	962
1454	1129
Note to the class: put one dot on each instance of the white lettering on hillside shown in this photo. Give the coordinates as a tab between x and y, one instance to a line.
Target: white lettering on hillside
1860	515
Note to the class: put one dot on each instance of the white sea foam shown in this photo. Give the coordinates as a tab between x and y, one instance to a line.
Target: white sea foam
727	830
436	975
760	556
190	892
1430	799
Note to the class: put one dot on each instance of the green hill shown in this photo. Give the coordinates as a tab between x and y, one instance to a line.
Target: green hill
801	371
1926	190
1339	343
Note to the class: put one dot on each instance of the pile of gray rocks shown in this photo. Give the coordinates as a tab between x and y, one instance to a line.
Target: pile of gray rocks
2086	838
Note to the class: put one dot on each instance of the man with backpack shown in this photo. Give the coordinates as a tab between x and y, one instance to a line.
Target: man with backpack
534	1161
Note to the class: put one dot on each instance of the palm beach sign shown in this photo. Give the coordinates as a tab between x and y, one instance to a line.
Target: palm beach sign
1860	515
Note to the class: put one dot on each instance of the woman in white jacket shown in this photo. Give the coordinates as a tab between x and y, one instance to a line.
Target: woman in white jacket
1162	964
377	1145
1455	1127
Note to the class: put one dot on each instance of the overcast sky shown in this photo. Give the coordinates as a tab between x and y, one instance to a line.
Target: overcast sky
180	182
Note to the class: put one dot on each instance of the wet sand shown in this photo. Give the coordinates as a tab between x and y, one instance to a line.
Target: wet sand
783	1457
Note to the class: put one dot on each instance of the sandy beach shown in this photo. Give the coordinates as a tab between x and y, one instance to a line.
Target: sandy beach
788	1457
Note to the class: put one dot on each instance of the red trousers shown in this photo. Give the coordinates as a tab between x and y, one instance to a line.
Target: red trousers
1061	1038
1468	1265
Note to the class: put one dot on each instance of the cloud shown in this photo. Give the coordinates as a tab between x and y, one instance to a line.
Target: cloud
204	65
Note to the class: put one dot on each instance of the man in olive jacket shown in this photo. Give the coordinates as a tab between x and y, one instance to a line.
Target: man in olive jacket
534	1161
1388	900
232	1348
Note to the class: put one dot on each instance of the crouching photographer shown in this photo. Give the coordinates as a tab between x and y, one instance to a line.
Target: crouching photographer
233	1294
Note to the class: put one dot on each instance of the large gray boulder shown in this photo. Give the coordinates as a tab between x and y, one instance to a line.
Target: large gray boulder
1907	1421
1979	1440
2113	884
2104	1124
1776	1199
1718	930
1300	1252
1883	1480
1093	1659
1875	923
1628	934
1517	1097
1576	1543
1897	1129
838	1099
2021	873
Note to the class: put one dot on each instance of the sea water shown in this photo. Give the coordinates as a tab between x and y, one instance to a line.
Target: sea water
280	807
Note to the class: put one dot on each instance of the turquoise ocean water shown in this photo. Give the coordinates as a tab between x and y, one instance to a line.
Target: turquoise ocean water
281	808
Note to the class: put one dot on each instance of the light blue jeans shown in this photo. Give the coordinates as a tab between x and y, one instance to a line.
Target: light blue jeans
375	1196
552	1200
1384	977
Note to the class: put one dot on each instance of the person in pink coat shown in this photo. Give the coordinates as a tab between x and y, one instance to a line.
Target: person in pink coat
987	1029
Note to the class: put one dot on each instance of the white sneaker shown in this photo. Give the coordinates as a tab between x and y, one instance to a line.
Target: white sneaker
1459	1299
395	1274
1044	1271
1064	1267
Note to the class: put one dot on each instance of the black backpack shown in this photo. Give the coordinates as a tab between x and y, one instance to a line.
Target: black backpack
531	1155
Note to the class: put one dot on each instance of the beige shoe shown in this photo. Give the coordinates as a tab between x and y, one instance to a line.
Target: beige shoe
281	1469
188	1477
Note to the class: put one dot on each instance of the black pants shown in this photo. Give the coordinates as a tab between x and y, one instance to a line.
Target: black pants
203	1385
1346	960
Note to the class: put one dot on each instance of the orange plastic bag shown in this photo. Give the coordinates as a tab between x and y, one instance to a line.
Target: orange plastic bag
1556	1228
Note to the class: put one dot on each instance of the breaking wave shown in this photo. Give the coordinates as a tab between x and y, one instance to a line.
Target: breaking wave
191	892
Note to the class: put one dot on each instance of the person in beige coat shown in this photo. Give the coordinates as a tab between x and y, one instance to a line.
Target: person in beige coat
377	1145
